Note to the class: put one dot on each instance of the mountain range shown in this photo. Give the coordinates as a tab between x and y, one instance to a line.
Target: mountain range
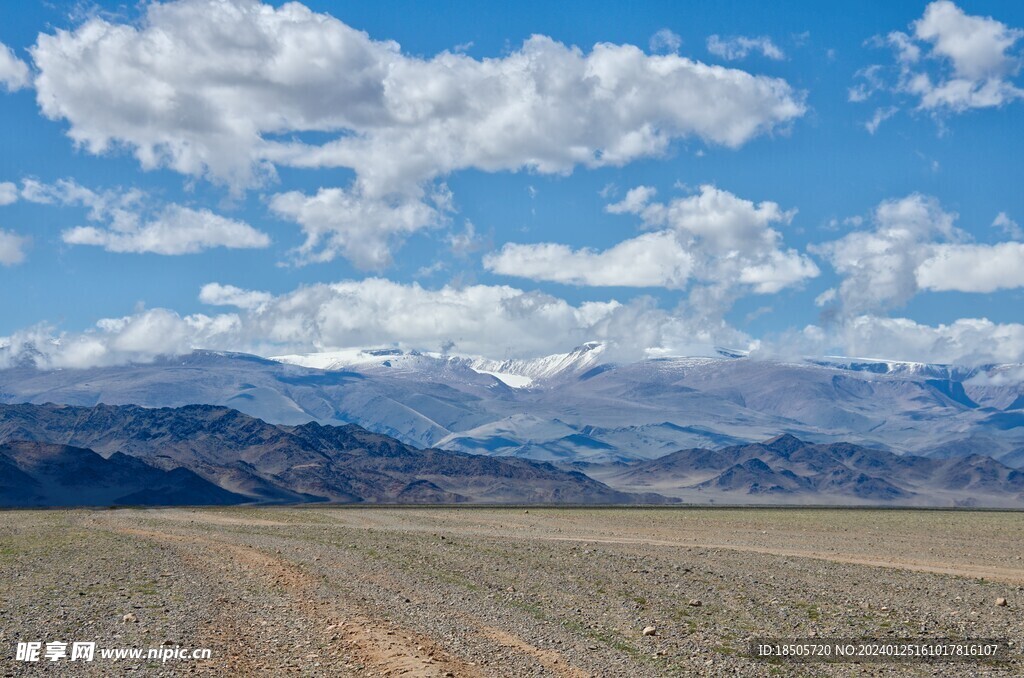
577	406
204	454
385	425
787	470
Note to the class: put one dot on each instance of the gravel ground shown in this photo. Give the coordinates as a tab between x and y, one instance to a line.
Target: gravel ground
503	592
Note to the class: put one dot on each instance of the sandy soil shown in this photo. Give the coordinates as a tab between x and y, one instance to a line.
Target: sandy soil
504	592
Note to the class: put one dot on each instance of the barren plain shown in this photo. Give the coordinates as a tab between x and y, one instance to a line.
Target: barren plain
333	591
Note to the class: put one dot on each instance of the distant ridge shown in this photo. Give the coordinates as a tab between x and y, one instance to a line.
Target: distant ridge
206	454
578	406
785	469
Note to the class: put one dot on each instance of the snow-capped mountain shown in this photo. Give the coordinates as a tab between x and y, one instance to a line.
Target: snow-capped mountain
576	406
517	373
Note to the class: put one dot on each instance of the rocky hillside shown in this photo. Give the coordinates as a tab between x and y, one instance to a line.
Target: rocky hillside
45	474
262	462
786	469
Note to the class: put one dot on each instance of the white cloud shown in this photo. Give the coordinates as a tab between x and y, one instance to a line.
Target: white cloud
14	73
466	241
665	42
8	193
716	218
650	260
879	266
175	230
730	242
491	321
740	46
213	87
216	294
913	247
337	221
976	46
777	270
116	341
12	248
880	116
1008	226
131	224
225	89
635	201
973	268
950	62
826	297
967	341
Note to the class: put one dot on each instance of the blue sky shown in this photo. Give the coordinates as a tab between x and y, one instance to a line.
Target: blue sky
779	221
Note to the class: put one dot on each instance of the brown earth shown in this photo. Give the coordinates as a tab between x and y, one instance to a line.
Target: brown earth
503	592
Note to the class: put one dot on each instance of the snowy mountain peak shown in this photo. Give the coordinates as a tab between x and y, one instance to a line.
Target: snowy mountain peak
576	361
516	373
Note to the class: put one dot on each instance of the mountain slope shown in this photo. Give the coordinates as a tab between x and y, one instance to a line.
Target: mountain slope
309	462
576	407
45	474
790	470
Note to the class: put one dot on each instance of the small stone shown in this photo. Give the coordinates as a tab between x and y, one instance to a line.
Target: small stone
129	618
1000	602
695	603
650	631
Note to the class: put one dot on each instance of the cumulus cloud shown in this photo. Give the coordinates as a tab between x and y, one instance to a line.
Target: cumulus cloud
491	321
207	87
650	260
879	266
175	230
8	193
337	221
950	61
131	224
967	341
12	248
729	239
740	46
141	338
975	46
14	73
216	294
716	244
226	89
487	321
973	268
913	246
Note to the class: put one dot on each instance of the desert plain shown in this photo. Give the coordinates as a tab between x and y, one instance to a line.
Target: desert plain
356	591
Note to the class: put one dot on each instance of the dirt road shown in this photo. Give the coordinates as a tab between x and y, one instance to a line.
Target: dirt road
502	592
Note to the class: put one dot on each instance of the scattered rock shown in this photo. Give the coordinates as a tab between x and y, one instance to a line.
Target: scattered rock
695	603
1000	602
129	618
650	631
